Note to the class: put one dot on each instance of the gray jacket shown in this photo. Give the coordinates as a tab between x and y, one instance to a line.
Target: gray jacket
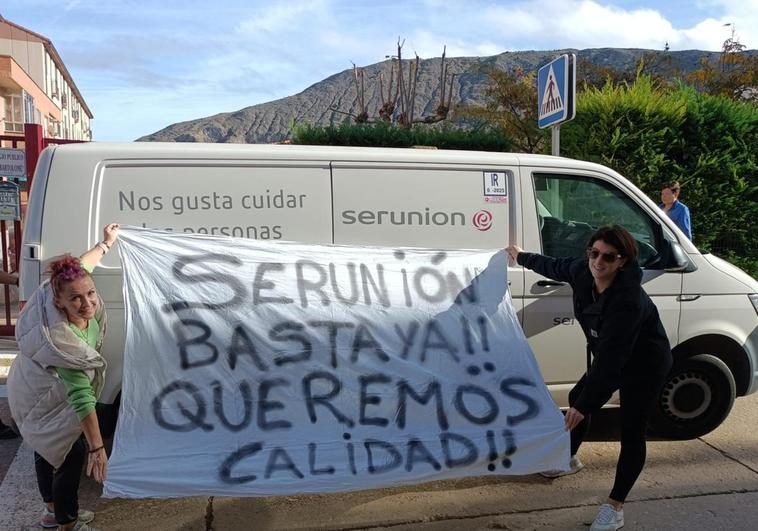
36	394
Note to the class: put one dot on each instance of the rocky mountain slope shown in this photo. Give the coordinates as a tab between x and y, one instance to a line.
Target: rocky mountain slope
272	121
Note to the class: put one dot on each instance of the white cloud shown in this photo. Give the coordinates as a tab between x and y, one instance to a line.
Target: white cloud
548	24
709	34
744	15
282	19
608	26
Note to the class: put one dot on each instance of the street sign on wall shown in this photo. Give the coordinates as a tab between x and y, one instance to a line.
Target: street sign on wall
12	163
556	89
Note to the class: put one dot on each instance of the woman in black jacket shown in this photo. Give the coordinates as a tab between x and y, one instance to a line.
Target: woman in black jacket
627	350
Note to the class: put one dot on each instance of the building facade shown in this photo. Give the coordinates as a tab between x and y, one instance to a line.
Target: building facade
36	87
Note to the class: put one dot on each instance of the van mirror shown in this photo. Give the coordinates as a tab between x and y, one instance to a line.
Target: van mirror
677	260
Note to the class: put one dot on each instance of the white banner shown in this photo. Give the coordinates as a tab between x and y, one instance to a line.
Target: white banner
254	368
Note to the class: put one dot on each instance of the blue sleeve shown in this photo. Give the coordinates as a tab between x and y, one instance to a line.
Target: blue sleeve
686	222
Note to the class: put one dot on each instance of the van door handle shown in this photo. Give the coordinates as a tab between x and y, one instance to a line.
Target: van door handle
546	283
33	251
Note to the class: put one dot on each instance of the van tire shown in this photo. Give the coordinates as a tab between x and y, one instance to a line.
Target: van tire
697	396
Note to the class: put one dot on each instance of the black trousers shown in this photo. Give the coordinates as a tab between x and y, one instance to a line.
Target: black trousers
638	393
61	486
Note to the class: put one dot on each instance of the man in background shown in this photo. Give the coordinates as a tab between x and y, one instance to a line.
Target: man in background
678	212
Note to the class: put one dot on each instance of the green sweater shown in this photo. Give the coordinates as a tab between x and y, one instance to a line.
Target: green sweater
79	390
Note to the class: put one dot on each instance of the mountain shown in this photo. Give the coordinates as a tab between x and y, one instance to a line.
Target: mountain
271	122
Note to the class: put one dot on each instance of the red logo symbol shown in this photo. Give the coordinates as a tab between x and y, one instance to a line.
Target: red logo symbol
483	220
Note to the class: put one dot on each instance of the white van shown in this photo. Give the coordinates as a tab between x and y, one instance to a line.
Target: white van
423	198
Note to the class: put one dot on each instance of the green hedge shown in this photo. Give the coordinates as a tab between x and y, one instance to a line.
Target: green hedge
653	134
385	135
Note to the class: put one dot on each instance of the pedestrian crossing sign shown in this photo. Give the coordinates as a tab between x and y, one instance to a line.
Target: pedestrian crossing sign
556	87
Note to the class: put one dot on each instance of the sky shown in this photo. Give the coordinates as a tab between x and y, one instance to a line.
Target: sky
142	65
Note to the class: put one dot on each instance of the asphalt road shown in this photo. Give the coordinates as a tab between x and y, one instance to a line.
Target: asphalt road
709	483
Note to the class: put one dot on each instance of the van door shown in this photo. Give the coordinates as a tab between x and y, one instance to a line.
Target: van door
569	207
425	205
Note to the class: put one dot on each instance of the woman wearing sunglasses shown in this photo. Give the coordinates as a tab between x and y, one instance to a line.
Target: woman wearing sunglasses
627	350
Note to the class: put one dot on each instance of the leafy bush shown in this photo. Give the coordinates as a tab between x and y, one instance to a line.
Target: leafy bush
653	134
385	135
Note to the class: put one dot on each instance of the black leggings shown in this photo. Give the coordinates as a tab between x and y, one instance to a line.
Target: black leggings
61	486
637	394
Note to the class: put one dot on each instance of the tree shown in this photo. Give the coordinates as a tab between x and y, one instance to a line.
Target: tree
511	107
735	75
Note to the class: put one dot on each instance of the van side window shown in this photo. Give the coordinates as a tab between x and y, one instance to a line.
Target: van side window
570	208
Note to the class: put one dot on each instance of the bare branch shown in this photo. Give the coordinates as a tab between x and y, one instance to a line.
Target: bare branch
400	87
389	88
357	87
412	105
443	76
360	89
450	92
335	109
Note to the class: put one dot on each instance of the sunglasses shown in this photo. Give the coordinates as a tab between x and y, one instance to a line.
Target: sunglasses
608	258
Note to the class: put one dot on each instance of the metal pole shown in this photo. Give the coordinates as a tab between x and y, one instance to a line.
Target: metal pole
33	144
556	140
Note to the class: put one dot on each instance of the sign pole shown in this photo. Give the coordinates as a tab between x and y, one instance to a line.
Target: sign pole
556	140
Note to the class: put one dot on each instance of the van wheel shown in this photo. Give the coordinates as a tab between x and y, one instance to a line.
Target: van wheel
697	396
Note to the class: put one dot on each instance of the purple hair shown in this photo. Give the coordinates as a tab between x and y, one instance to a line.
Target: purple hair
65	269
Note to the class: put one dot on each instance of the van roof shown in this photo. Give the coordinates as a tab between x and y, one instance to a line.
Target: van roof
174	150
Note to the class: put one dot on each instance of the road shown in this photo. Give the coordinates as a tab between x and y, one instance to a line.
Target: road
708	483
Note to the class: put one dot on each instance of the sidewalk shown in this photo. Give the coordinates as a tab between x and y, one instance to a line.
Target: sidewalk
709	483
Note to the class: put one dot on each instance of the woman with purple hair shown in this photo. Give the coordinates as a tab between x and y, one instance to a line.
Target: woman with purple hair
54	383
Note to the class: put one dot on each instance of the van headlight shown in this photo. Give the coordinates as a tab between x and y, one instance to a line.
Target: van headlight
754	299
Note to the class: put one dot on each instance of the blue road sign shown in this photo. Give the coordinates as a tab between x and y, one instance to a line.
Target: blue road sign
556	86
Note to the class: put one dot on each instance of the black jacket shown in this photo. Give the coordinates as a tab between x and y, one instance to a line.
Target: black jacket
622	327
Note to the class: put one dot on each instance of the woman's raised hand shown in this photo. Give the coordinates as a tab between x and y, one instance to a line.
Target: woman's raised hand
514	250
110	234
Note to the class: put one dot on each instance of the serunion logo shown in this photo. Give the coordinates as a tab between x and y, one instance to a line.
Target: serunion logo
482	220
